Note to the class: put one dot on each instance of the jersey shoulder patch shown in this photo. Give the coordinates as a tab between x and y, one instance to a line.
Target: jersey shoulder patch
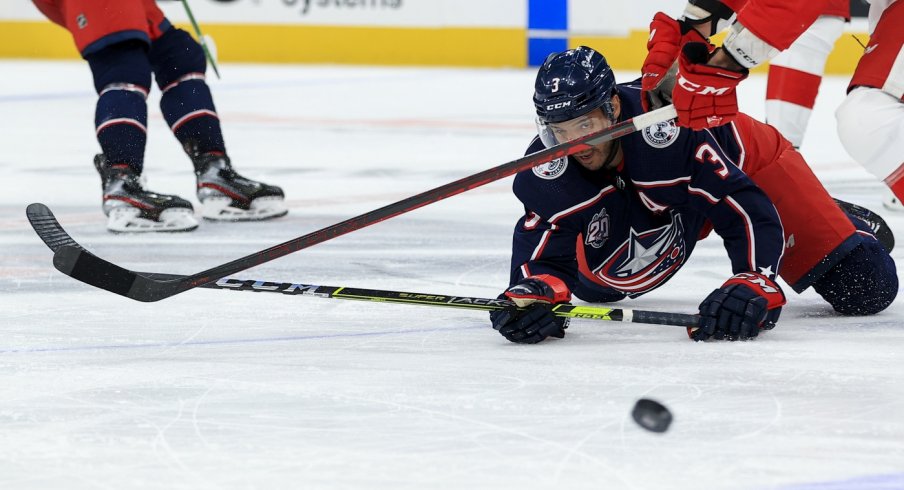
551	170
661	135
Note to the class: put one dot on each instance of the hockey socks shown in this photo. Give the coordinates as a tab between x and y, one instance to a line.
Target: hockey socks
189	111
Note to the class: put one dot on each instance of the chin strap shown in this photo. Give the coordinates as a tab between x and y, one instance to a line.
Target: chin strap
612	154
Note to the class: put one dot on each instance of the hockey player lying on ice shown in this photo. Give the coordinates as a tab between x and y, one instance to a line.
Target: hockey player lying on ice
620	220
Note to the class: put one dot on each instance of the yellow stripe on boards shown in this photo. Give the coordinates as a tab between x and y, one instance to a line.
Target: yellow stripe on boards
39	40
370	45
310	44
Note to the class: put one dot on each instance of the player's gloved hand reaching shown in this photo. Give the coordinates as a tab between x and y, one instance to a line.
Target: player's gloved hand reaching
537	294
667	36
747	303
704	96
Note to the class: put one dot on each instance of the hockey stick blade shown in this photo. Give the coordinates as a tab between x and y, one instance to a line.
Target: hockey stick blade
72	259
47	227
58	240
80	264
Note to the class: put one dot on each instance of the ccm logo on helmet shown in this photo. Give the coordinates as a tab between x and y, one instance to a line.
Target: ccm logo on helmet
700	89
560	105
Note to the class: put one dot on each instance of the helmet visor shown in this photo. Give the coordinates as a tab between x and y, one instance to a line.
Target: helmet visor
546	135
552	134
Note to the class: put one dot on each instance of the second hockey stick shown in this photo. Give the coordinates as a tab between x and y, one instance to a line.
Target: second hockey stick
56	237
80	264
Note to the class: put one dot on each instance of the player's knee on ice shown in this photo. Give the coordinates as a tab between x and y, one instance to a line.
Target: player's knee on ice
865	282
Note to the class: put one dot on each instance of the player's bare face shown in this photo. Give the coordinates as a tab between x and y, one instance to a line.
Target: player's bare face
592	122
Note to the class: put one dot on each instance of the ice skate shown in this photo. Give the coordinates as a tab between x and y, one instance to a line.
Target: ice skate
227	196
875	222
132	209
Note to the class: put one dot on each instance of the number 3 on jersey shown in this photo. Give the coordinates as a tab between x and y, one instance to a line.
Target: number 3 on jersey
705	153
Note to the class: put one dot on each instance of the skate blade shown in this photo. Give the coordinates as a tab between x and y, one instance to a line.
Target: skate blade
127	220
262	208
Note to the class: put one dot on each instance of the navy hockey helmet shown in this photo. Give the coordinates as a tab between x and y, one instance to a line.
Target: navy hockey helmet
573	83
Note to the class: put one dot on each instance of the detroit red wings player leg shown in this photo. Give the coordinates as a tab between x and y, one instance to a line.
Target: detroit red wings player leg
796	73
871	118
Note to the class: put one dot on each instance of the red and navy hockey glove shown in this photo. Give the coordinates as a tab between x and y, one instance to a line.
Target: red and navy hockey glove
704	96
535	321
667	36
744	305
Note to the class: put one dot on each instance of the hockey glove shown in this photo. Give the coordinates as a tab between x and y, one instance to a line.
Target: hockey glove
667	35
704	96
536	321
747	303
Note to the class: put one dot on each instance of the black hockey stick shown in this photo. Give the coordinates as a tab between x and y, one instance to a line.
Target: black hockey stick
81	264
56	237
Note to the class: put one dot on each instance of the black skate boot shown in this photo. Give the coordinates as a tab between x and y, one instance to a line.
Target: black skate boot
875	223
227	196
130	208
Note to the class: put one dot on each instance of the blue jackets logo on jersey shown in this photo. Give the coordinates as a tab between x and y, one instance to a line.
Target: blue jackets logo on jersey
646	260
552	169
661	134
598	230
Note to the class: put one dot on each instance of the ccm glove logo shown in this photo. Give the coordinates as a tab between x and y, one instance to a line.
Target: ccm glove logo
761	285
757	280
696	88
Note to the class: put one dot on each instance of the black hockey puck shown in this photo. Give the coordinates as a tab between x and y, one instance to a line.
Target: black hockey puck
651	415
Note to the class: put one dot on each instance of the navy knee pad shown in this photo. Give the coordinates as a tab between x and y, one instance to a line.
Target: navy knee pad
864	282
121	63
174	55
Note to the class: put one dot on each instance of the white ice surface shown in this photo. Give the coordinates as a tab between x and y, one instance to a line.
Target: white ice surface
222	390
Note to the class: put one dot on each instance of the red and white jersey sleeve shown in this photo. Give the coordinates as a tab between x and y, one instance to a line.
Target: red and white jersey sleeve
876	8
778	22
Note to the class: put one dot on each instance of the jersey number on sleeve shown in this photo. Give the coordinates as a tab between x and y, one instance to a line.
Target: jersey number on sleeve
706	153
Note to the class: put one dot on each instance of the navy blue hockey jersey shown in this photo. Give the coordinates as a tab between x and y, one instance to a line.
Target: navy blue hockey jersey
612	233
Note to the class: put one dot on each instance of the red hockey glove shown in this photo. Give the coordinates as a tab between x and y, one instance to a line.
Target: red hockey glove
537	322
747	303
667	35
704	95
